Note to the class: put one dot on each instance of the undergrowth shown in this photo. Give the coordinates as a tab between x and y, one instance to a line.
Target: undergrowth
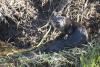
71	58
22	17
92	57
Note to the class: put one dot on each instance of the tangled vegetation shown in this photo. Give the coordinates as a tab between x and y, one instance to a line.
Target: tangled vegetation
25	26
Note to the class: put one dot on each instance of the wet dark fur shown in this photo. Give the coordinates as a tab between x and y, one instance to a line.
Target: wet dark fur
73	34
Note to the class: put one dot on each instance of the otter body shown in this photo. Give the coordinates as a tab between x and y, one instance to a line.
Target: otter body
72	34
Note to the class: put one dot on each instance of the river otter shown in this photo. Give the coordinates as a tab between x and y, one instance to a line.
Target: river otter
72	34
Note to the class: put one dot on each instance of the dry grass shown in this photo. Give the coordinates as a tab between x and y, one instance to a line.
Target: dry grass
31	29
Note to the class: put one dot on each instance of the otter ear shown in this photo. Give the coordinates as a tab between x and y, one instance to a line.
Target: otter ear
63	15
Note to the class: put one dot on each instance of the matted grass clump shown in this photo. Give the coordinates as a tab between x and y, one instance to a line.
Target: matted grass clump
25	27
71	58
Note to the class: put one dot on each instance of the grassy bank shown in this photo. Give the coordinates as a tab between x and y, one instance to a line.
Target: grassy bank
24	24
70	58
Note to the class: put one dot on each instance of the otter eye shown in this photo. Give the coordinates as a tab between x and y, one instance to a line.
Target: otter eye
57	22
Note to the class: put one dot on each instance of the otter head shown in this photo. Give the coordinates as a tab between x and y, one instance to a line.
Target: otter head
62	22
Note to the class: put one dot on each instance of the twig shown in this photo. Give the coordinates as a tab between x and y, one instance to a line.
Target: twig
23	50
